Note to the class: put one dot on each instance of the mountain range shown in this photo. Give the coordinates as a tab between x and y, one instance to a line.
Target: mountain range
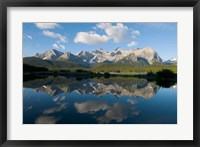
137	57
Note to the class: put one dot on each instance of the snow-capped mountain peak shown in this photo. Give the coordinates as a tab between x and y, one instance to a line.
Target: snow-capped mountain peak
171	61
49	55
149	55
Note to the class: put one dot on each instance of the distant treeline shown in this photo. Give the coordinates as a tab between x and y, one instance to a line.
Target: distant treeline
107	68
30	68
129	68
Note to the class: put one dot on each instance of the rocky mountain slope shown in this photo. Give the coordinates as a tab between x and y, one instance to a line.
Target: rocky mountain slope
135	57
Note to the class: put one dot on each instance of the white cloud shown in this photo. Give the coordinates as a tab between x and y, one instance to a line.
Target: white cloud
62	46
118	32
47	25
133	43
58	46
55	46
95	28
135	32
90	38
60	37
29	37
104	25
133	37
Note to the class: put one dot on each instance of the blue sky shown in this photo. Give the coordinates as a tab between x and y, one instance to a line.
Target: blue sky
74	37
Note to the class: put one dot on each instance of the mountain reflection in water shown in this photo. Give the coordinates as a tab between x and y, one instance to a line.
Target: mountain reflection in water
98	87
99	100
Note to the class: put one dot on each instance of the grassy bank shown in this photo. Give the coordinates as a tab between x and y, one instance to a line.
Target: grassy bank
112	68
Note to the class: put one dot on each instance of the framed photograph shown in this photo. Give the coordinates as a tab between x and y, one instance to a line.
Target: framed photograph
90	73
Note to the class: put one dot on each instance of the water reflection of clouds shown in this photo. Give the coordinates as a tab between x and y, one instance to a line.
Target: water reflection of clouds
55	109
59	99
28	108
117	112
91	106
112	112
46	118
132	101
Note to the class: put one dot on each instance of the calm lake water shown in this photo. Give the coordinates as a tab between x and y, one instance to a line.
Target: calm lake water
61	100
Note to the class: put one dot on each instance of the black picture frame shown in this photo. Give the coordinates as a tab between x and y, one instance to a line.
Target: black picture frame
98	3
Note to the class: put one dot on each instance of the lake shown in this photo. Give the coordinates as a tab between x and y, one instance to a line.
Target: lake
114	100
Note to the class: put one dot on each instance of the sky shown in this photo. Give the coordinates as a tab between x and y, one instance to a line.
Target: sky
75	37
